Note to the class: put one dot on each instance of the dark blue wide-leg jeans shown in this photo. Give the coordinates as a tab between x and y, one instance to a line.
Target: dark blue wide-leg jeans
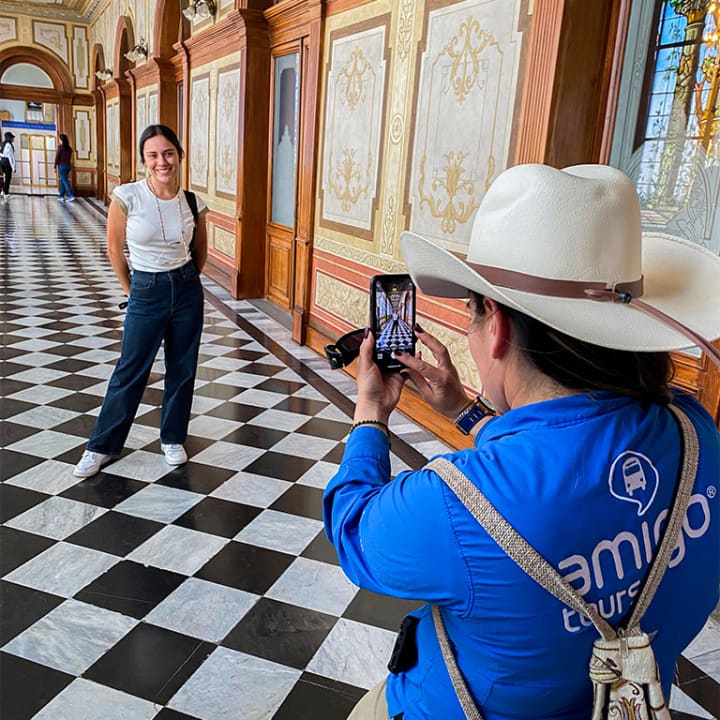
162	306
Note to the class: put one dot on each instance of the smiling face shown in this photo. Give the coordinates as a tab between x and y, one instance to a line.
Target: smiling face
162	160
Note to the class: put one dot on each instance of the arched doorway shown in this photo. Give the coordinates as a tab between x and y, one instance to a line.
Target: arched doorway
37	92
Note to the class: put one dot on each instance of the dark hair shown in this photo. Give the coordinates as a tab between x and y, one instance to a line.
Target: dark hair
154	130
64	141
579	365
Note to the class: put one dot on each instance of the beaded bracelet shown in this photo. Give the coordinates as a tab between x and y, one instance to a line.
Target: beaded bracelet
379	423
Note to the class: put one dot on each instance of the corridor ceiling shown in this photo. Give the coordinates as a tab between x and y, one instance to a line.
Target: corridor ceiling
78	10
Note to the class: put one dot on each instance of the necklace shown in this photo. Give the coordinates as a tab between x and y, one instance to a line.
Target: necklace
160	259
160	217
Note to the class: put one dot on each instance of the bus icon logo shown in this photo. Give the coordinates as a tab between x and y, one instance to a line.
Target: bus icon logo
633	476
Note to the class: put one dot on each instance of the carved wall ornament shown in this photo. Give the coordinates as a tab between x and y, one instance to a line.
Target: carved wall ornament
51	36
397	128
199	123
349	179
226	125
341	300
405	28
8	29
464	103
354	114
451	196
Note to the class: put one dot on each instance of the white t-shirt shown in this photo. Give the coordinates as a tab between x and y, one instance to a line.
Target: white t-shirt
155	245
8	152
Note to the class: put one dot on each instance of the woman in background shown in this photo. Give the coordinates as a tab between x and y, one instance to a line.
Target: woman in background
63	166
7	163
168	248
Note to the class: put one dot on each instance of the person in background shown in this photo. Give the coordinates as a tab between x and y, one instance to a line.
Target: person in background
63	166
7	163
167	249
571	314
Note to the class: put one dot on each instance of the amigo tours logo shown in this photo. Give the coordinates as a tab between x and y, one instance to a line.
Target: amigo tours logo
634	479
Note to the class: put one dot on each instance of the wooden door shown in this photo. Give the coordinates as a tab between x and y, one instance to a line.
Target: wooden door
284	125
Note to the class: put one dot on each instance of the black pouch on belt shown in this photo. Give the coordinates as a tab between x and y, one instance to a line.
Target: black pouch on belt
404	654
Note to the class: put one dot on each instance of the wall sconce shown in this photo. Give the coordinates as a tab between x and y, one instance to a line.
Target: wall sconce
104	75
139	51
199	10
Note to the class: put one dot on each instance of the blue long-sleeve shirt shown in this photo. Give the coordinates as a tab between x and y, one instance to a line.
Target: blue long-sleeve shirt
585	479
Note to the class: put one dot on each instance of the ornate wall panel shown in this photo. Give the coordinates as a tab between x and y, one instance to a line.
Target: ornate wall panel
52	36
199	125
80	56
152	109
8	29
224	241
83	142
112	134
465	100
355	83
141	116
227	112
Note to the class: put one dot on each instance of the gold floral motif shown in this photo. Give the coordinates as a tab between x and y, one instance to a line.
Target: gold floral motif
388	225
353	73
465	56
405	27
451	197
341	300
346	181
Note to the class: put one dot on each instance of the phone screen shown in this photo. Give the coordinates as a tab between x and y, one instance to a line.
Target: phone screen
393	318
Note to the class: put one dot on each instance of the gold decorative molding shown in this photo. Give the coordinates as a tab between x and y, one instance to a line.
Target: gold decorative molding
405	28
342	300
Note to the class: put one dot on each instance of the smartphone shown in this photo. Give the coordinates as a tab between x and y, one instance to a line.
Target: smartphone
392	318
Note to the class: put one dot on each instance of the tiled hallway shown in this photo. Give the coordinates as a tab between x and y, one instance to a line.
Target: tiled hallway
206	591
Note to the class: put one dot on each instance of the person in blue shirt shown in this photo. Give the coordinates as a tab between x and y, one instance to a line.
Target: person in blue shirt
571	314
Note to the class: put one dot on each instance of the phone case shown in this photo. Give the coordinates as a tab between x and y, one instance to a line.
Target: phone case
392	318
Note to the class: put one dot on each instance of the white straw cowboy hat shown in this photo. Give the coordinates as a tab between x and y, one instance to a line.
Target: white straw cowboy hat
565	247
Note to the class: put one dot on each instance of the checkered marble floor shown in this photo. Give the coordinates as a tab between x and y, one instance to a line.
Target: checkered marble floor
205	591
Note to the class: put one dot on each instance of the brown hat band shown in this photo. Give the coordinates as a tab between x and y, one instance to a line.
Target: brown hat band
626	293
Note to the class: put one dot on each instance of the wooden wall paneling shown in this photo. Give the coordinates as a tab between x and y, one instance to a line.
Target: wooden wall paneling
308	163
571	71
279	262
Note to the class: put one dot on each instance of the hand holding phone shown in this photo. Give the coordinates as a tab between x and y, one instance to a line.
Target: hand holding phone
392	318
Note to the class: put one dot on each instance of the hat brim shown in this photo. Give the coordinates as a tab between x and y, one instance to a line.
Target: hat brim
681	279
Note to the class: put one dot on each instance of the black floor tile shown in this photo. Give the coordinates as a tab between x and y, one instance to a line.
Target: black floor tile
196	477
11	432
279	465
16	500
82	426
301	500
258	368
104	489
78	402
335	455
72	365
209	374
218	391
321	549
74	382
17	547
219	517
10	407
152	396
26	687
319	698
373	609
235	411
9	386
22	607
130	588
283	387
150	662
240	354
255	436
279	632
115	533
301	406
330	429
246	567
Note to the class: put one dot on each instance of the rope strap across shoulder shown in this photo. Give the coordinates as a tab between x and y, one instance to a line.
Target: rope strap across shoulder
545	574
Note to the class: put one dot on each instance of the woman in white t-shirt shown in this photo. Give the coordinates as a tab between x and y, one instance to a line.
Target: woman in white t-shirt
7	163
167	244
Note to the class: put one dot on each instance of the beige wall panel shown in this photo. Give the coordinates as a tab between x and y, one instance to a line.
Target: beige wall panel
83	135
8	29
199	124
53	37
463	116
226	131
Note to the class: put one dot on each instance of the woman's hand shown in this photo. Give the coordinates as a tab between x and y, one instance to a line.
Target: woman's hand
378	393
439	385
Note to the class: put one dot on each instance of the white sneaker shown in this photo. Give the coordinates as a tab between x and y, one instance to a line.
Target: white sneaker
71	199
61	199
174	453
90	464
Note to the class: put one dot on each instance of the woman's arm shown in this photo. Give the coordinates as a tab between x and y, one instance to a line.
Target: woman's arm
57	158
116	245
200	243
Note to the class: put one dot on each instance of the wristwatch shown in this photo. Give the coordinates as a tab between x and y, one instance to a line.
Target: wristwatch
473	414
